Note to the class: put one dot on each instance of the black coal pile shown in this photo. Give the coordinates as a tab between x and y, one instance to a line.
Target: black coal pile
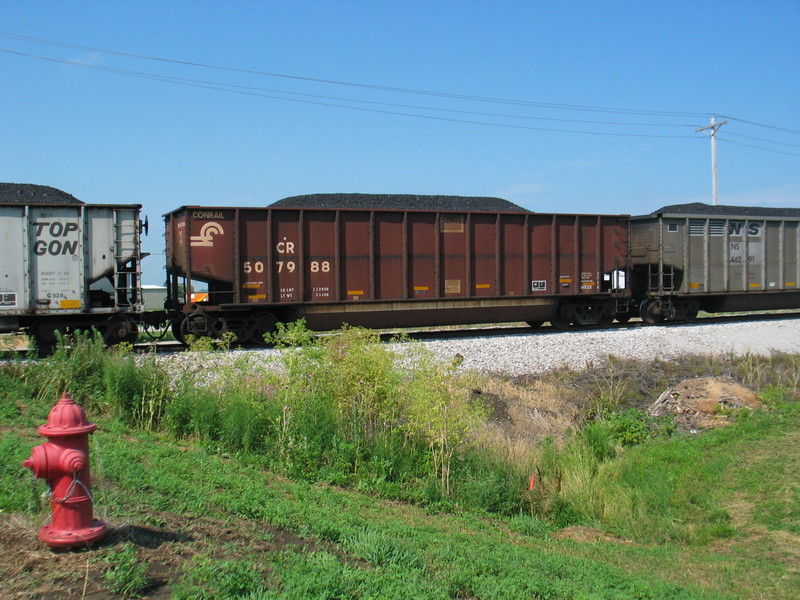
698	208
400	202
29	193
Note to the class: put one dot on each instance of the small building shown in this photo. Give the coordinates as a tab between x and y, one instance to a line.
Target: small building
154	296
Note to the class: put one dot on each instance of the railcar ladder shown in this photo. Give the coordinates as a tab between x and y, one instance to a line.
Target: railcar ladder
661	279
127	273
661	284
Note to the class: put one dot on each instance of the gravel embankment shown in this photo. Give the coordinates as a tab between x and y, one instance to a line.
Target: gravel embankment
531	354
523	354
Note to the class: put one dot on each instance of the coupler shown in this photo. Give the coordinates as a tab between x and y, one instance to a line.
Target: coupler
63	461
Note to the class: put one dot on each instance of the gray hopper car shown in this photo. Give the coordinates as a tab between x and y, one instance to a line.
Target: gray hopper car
692	257
69	266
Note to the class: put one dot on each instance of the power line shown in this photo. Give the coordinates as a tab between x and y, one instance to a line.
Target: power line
260	92
726	141
220	86
332	101
750	137
560	106
760	124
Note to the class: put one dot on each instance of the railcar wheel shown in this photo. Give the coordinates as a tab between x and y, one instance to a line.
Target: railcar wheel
534	324
622	317
605	321
176	325
560	322
201	325
119	329
691	312
259	325
44	336
651	312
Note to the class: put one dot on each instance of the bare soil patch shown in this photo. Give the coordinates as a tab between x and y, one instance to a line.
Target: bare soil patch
30	569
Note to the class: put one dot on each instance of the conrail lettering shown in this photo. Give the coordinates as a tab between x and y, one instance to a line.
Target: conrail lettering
207	214
57	246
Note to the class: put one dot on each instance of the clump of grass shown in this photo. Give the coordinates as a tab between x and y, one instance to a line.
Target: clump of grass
126	575
381	549
207	577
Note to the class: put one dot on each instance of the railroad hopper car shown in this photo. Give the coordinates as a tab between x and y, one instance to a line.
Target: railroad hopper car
389	261
67	266
692	257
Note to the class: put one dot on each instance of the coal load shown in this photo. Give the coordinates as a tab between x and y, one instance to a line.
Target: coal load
698	208
29	193
400	202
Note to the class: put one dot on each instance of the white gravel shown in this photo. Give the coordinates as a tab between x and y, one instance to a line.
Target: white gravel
535	352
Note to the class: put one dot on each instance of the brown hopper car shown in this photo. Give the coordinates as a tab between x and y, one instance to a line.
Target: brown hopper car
388	267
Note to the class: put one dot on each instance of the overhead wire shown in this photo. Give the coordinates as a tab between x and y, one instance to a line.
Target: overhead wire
273	94
560	106
756	124
727	141
333	101
758	139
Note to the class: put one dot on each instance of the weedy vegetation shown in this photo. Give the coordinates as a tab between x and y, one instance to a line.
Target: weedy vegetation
407	477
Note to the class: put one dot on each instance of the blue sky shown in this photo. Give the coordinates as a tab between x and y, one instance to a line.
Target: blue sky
560	106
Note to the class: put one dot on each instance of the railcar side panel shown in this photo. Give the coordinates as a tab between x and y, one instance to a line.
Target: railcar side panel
69	259
513	256
356	256
376	266
254	258
721	258
452	253
421	252
285	237
390	256
319	256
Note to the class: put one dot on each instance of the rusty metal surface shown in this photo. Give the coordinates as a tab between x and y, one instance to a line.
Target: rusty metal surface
295	257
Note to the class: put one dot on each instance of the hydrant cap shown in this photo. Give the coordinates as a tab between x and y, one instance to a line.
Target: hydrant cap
66	418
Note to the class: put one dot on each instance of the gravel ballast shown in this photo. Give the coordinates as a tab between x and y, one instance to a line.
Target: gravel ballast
532	353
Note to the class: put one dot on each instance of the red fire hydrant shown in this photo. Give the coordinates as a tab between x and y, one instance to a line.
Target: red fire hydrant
64	462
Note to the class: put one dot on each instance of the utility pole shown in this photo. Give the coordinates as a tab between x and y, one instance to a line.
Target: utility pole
712	129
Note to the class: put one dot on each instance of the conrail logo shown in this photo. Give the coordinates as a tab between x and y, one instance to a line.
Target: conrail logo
207	233
207	214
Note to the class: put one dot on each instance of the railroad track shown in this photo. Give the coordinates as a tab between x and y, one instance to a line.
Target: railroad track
20	346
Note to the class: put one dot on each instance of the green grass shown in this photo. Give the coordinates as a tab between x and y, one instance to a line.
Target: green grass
427	555
379	468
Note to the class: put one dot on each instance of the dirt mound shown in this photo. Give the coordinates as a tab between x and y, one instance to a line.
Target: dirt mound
704	402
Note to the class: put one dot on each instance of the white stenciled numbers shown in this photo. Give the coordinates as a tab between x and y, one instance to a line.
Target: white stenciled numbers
323	266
